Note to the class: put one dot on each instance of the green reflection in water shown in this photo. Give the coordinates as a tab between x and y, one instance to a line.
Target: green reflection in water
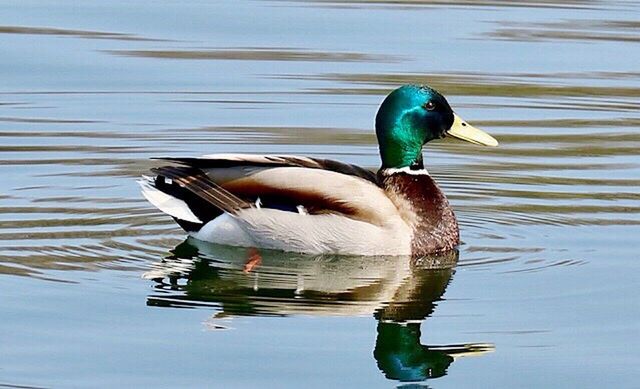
399	293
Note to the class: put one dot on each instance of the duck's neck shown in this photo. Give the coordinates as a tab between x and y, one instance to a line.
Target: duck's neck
424	207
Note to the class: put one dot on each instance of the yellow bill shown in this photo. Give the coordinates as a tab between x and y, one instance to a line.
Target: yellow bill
462	130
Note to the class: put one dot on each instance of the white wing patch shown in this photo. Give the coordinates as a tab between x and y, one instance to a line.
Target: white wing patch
166	203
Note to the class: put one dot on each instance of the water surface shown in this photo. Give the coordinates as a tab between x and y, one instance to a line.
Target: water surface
100	289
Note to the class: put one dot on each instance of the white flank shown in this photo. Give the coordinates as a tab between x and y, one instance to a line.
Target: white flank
312	234
167	203
226	230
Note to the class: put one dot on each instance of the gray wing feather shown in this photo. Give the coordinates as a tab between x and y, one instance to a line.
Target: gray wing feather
216	161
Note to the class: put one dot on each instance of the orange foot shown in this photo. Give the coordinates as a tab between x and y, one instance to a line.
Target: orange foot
253	260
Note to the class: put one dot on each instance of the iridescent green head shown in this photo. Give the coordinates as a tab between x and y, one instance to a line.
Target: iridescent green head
413	115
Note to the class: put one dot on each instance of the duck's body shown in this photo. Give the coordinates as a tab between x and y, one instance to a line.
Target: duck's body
308	205
317	206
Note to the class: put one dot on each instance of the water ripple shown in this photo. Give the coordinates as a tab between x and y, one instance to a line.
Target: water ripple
72	33
256	54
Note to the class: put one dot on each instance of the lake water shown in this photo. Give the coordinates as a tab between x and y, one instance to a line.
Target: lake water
98	289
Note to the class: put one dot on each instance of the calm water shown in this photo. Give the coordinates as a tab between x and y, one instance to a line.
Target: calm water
100	289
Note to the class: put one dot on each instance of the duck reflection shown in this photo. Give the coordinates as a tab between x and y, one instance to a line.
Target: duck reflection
399	293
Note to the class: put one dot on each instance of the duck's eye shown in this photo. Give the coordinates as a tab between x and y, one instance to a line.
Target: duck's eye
429	106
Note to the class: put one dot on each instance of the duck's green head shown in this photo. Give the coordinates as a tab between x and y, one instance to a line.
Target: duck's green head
413	115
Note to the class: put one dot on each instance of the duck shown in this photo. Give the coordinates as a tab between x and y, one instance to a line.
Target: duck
322	206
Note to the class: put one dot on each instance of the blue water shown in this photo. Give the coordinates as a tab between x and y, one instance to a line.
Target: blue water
99	289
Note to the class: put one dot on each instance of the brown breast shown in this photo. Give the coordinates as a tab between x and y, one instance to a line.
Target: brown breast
425	208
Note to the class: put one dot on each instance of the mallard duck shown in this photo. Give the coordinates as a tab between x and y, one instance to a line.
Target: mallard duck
321	206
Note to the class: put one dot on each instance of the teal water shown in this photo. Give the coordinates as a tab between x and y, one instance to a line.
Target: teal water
99	289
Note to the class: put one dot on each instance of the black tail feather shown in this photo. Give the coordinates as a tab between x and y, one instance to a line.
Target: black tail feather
198	184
